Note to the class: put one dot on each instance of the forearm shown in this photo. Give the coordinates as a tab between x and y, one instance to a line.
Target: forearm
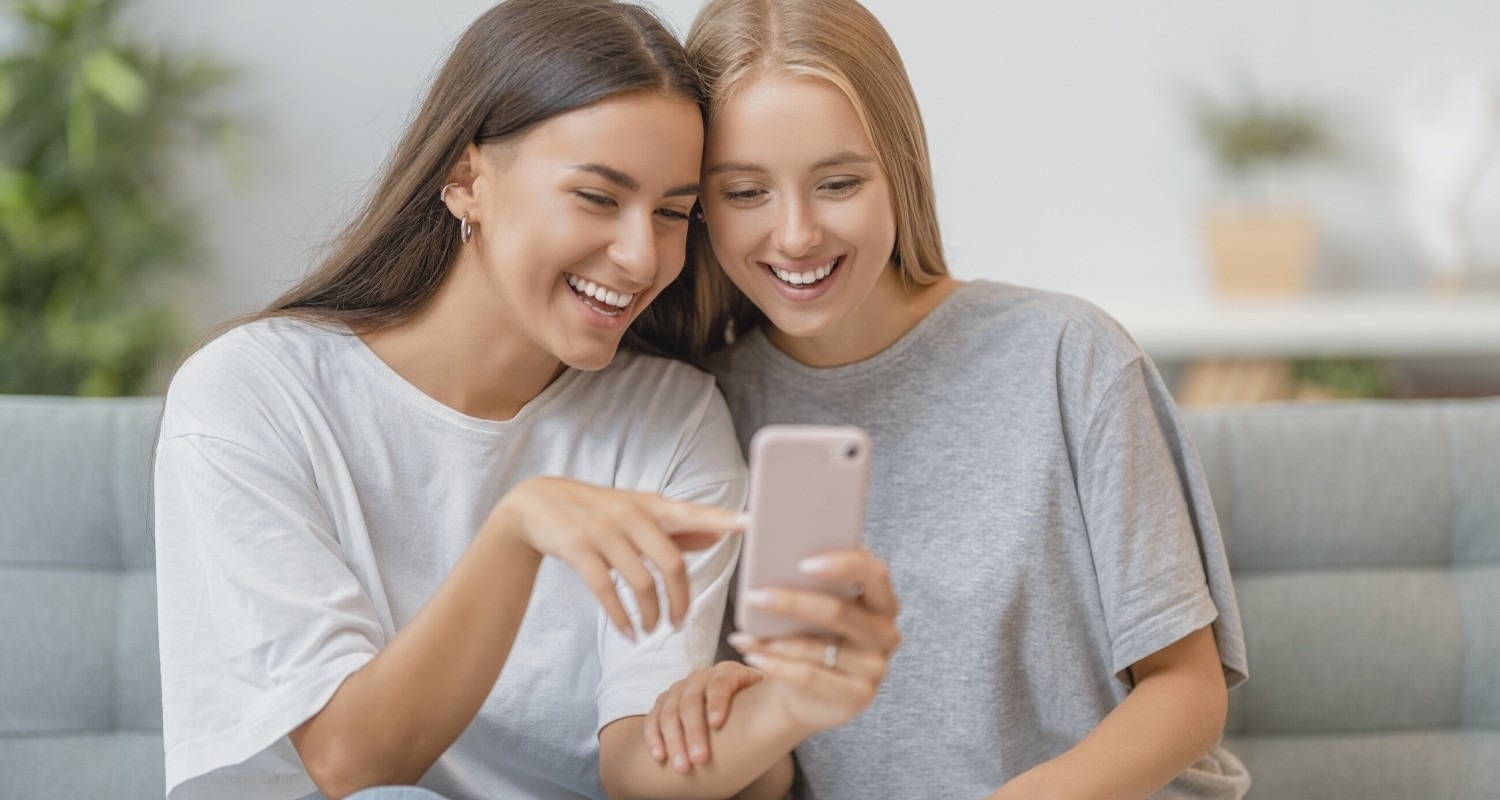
773	784
752	755
1163	727
390	721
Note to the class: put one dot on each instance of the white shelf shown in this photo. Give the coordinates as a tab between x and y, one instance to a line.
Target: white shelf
1370	325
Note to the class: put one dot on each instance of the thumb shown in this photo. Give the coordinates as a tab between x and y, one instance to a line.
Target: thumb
749	677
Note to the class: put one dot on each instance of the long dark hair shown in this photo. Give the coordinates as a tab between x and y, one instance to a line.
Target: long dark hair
520	64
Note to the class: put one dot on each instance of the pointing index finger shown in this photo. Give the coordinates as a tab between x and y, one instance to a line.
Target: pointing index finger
676	517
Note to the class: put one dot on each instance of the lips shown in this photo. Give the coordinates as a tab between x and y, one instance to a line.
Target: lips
602	299
805	275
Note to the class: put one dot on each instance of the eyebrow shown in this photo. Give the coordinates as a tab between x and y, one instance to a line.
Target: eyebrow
631	184
835	160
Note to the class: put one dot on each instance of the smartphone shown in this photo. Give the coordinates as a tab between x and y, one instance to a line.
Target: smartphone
807	497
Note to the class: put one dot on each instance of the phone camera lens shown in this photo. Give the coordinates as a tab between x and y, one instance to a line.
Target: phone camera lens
851	450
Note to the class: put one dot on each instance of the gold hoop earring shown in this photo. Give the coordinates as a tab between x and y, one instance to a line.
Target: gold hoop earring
443	193
465	230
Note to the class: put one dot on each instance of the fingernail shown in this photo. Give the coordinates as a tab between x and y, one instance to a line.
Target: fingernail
740	640
680	763
698	754
759	597
741	521
716	720
815	564
657	754
755	660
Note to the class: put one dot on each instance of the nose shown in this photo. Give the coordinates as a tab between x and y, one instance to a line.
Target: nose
798	231
634	251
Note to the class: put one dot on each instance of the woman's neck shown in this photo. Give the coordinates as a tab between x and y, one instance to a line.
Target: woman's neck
464	353
887	314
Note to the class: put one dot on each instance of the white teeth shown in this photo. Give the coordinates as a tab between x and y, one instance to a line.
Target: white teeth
805	278
590	289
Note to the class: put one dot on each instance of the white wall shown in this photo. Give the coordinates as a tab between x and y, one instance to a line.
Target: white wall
1063	152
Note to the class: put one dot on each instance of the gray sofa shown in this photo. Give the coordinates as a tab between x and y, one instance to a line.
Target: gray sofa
1365	545
1365	540
80	685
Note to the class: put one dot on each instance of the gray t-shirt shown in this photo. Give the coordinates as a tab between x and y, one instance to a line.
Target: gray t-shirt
1047	524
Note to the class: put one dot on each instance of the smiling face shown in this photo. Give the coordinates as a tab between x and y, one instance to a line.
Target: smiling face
799	209
583	221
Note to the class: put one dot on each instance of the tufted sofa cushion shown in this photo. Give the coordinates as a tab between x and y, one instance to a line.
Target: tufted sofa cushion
1365	544
80	686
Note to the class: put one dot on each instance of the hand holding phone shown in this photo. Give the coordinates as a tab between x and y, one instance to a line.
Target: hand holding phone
807	497
824	665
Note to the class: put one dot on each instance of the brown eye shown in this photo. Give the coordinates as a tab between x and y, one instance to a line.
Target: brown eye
842	186
596	199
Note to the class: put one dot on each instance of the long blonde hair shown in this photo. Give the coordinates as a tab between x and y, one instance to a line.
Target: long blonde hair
840	41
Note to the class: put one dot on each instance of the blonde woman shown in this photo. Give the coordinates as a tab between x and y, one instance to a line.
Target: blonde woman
1069	626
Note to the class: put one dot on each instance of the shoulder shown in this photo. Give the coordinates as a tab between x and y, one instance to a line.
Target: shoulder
640	371
258	345
654	386
1025	313
1043	329
1076	352
666	418
248	371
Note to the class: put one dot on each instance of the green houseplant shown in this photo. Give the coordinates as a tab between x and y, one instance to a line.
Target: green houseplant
92	122
1258	242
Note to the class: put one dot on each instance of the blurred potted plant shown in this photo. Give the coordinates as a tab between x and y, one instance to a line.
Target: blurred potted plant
93	123
1258	242
1342	379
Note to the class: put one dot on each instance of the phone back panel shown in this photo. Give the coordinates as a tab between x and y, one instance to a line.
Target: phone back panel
807	497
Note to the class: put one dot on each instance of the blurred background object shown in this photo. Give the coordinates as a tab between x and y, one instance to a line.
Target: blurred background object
1260	240
1447	137
95	122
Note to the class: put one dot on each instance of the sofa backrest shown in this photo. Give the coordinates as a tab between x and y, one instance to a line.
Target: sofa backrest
80	685
1364	539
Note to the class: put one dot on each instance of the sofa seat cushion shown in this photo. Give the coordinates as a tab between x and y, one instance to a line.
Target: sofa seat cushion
83	765
1454	765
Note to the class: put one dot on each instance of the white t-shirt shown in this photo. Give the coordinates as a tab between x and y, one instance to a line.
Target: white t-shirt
308	503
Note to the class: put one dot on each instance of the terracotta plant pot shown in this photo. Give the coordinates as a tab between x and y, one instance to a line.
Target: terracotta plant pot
1263	252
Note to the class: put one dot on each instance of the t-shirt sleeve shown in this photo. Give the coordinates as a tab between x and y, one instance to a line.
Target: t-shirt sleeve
260	617
1158	554
708	470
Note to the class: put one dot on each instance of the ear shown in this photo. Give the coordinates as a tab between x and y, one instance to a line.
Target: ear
459	192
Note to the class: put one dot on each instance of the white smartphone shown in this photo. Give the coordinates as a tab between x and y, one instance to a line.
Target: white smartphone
807	497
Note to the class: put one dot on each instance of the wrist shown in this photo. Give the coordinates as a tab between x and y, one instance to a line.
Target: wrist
505	527
504	531
790	707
